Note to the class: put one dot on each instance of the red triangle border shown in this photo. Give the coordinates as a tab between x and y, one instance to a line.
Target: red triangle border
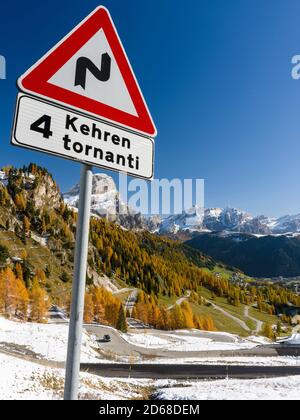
35	81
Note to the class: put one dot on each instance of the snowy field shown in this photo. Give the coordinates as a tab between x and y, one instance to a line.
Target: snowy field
47	340
231	389
23	380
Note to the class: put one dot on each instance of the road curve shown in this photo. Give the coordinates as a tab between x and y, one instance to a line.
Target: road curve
259	324
241	323
131	301
180	300
120	347
168	371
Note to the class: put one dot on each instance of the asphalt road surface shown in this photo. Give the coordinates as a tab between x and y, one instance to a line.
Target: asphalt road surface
162	371
121	347
171	371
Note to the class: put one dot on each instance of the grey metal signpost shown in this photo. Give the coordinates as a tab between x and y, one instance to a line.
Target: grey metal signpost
78	290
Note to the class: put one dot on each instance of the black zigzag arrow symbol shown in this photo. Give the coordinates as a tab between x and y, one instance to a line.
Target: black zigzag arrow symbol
84	64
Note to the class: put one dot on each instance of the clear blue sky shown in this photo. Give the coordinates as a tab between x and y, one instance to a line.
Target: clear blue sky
216	76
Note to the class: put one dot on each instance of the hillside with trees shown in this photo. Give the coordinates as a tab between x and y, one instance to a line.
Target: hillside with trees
37	238
266	256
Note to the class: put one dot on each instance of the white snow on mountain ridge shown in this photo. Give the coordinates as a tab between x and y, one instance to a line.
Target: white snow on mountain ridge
106	202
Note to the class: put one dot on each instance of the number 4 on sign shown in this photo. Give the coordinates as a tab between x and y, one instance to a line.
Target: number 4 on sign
43	126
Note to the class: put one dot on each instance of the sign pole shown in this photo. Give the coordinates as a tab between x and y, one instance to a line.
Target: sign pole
78	288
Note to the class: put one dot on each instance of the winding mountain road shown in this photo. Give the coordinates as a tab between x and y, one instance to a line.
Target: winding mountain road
241	323
168	371
180	300
259	324
120	347
131	301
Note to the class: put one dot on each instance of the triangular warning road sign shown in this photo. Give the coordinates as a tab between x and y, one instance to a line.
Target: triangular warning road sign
89	71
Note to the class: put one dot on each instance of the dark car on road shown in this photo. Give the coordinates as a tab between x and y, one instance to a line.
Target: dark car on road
106	338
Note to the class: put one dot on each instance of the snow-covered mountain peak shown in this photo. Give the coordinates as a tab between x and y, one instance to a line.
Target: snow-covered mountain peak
106	202
105	196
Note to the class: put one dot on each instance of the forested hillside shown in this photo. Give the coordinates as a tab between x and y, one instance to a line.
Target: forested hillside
267	256
37	234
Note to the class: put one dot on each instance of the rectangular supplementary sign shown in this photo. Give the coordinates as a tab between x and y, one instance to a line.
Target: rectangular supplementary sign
49	128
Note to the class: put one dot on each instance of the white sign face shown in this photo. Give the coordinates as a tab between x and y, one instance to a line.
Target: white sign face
49	128
113	92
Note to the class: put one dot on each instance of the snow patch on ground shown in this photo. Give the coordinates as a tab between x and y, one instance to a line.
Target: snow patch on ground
147	340
231	389
47	340
189	341
3	178
42	240
237	361
103	281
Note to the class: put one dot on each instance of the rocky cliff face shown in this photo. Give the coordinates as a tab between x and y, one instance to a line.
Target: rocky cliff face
46	193
106	202
21	189
105	197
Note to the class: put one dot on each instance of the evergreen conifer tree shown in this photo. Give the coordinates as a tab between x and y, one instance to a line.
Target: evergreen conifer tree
121	322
